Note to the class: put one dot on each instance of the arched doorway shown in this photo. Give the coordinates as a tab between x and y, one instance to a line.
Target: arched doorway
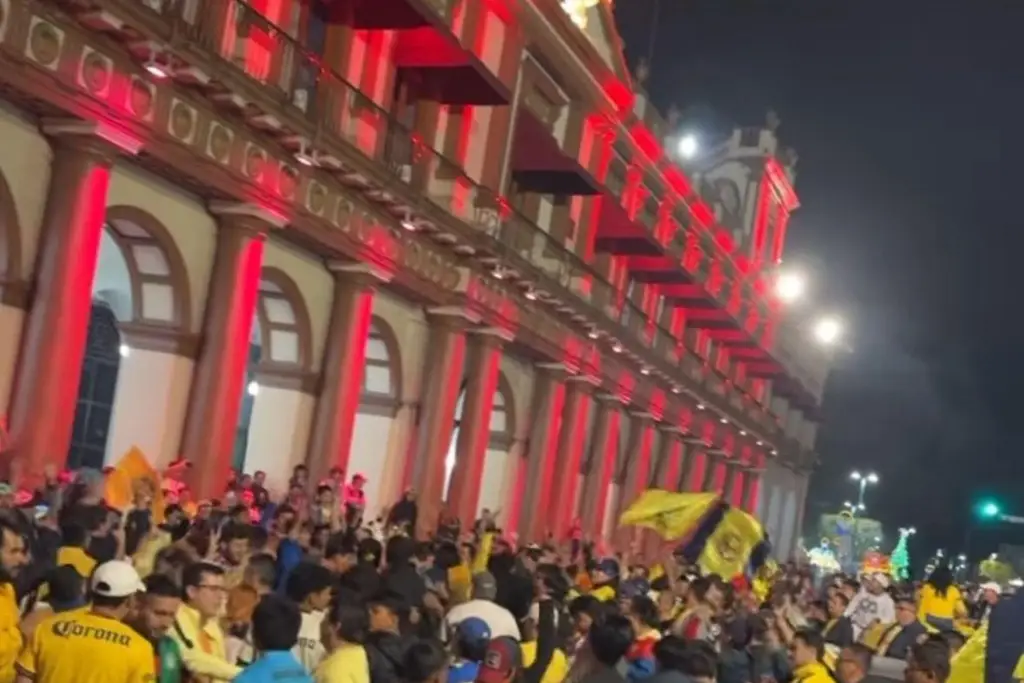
379	403
96	389
279	356
500	426
139	284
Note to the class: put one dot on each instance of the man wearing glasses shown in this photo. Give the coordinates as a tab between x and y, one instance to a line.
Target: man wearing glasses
196	627
899	637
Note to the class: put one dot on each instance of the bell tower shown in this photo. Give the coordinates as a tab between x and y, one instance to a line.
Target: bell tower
748	180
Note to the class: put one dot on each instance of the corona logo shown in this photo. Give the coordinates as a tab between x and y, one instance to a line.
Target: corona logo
577	10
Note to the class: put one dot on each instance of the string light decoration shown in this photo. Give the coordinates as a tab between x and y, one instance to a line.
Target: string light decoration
577	10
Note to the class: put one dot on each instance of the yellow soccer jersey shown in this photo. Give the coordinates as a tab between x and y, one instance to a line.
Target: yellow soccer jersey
84	647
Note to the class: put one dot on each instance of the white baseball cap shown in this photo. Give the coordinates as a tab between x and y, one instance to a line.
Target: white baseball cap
116	579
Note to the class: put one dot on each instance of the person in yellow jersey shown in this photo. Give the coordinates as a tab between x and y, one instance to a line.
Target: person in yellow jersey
13	556
805	652
92	645
940	602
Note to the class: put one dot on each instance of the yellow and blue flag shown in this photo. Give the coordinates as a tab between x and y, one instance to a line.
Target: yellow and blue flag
721	539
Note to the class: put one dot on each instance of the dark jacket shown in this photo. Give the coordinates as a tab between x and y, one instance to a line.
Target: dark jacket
839	632
386	654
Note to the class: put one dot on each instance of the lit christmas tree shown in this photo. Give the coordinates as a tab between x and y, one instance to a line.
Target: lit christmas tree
899	562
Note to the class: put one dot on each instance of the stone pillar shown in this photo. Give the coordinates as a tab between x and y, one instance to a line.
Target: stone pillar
638	472
572	440
515	478
670	476
42	408
212	418
546	418
697	467
482	370
446	352
752	492
714	480
604	454
343	364
670	458
736	485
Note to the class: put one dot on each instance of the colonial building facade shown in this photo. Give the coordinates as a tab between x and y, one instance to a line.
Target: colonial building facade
436	242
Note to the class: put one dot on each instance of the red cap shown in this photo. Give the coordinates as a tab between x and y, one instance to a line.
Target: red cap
502	661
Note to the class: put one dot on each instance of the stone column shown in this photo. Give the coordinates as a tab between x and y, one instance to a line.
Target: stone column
752	491
482	370
697	468
604	454
714	477
670	476
515	482
546	417
446	352
736	485
341	388
670	458
42	409
216	397
728	479
638	472
572	440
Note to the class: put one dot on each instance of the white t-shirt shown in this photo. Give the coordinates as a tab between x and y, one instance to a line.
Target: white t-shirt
500	620
309	650
866	608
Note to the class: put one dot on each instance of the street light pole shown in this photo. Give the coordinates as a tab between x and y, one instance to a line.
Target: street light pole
862	481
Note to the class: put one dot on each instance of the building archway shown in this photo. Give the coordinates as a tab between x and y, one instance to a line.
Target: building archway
13	292
10	238
280	355
379	402
140	284
501	428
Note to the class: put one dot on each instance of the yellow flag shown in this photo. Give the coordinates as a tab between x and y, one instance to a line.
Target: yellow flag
728	548
672	515
120	482
968	665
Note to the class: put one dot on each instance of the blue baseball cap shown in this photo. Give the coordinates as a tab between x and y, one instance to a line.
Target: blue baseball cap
473	630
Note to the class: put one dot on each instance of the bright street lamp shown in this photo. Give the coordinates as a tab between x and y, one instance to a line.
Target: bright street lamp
863	480
828	330
688	146
790	286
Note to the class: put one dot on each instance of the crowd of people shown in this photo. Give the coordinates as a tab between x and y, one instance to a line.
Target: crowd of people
299	587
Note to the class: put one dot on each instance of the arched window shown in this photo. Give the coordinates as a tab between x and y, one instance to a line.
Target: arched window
158	282
379	376
283	321
139	284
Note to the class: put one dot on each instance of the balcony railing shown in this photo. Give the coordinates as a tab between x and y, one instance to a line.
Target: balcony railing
258	50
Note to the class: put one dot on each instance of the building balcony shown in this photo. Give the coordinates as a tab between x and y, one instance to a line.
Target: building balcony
389	14
286	92
543	159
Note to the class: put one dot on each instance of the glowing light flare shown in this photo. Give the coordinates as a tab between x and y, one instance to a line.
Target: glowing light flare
790	286
577	10
828	330
688	146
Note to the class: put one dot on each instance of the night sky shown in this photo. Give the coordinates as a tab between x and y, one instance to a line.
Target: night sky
909	121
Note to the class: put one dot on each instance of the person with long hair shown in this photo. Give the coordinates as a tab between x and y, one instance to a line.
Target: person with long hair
940	602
